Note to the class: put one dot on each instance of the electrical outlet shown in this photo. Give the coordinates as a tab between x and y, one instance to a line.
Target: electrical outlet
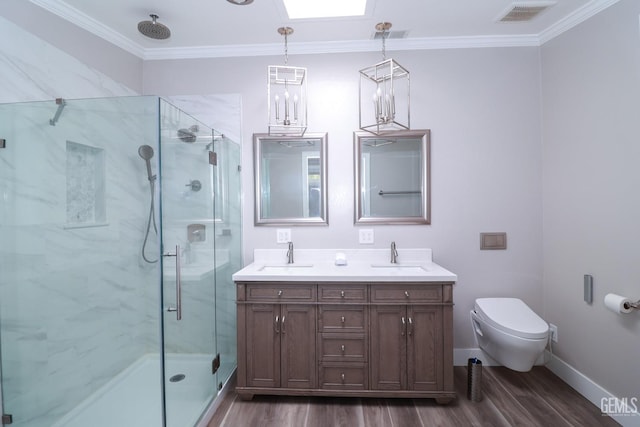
283	235
553	330
366	236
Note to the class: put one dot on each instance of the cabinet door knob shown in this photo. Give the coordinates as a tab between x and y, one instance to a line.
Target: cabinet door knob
342	294
276	325
404	326
410	329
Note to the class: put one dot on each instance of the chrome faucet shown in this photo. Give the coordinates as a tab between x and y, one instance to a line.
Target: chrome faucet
290	253
394	253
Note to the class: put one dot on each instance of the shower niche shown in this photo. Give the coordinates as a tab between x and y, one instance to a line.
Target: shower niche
85	179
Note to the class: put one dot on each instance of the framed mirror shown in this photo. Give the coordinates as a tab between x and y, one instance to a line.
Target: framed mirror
290	179
392	177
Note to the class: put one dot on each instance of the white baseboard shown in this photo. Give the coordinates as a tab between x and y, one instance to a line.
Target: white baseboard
591	391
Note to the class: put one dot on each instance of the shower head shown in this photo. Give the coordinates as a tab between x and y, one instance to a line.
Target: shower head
146	152
153	29
187	135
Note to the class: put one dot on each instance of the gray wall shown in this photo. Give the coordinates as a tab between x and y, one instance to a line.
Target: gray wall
483	106
591	100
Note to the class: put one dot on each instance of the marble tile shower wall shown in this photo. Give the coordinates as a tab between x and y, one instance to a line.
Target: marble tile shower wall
32	70
78	303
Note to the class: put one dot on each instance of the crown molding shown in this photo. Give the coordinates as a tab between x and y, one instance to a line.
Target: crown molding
84	21
349	46
579	16
62	9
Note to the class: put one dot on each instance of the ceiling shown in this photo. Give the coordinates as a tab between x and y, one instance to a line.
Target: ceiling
216	28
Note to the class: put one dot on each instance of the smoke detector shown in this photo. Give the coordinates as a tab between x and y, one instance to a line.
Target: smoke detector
524	11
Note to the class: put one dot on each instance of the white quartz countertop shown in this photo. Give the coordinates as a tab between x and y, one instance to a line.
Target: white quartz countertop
362	265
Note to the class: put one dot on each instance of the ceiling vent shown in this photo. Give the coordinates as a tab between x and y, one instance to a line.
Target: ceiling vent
524	11
389	35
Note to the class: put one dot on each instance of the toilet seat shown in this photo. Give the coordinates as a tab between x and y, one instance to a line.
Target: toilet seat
512	316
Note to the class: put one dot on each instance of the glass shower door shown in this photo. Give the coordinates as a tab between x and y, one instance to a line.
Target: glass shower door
188	247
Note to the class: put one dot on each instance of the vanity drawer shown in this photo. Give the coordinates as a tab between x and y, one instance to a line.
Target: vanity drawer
351	376
342	293
275	292
343	348
400	293
337	318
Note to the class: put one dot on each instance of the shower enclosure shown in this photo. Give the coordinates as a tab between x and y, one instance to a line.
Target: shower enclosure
120	231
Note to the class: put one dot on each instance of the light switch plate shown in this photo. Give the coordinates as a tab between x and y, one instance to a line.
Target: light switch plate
366	236
283	235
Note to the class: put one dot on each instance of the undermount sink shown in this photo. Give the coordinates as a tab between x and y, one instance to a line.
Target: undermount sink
405	268
284	268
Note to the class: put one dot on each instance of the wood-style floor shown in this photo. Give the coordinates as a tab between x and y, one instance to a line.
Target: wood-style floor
535	398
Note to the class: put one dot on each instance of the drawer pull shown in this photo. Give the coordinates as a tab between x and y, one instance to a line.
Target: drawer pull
342	377
406	294
342	319
342	294
342	348
280	293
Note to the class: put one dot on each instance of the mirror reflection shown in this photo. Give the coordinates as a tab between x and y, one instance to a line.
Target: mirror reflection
392	177
290	173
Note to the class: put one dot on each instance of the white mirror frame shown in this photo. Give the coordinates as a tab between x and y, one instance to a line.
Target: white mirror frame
360	216
258	141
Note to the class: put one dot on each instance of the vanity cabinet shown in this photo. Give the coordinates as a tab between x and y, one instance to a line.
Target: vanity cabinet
279	336
345	339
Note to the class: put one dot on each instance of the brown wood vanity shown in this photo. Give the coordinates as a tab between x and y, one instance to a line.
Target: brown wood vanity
351	338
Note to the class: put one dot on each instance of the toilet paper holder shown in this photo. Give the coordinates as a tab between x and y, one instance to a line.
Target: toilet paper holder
632	305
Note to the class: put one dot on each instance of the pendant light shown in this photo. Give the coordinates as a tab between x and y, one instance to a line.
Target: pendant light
287	96
384	93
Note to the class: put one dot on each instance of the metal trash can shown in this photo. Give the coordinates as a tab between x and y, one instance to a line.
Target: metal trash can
474	379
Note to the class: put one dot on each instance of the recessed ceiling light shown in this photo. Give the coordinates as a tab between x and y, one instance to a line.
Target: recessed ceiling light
300	9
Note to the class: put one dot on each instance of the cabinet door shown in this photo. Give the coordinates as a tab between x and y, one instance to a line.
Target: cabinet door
388	347
263	345
424	348
298	335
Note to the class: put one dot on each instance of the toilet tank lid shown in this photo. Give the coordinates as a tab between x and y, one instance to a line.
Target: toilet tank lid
513	316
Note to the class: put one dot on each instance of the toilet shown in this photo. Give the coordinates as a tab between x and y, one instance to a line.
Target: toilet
509	331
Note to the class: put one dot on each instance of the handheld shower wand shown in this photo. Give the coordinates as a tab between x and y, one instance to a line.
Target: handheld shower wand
146	152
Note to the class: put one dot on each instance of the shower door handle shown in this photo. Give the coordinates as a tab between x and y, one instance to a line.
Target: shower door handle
178	307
